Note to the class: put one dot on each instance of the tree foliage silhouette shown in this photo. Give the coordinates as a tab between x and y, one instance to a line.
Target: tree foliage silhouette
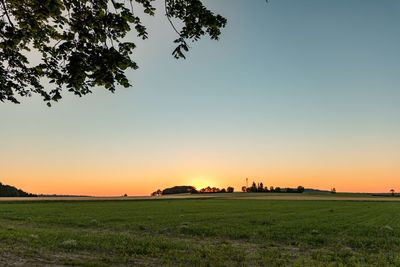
81	42
11	191
259	188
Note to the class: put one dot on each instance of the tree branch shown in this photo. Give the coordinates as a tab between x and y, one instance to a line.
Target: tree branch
173	26
169	19
6	12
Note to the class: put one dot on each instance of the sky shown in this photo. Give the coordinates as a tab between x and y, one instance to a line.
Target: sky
295	93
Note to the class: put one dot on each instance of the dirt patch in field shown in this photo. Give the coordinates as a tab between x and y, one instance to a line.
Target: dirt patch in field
10	259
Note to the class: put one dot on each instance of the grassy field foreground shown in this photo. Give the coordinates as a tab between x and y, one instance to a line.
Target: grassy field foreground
200	232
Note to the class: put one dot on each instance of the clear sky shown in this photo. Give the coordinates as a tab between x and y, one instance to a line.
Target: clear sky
295	93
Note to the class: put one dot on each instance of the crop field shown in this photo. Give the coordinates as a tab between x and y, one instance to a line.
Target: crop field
222	231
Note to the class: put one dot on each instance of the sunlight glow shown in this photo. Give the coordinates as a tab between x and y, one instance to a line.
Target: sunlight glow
202	181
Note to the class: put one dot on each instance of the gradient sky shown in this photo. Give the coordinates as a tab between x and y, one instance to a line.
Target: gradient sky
295	93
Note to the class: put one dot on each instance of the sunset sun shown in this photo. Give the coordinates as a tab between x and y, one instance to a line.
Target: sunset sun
202	182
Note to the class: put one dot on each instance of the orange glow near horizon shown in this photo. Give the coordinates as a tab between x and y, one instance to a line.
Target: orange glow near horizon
112	183
92	172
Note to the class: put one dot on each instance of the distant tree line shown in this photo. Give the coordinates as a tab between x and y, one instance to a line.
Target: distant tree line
191	190
11	191
259	187
209	189
255	187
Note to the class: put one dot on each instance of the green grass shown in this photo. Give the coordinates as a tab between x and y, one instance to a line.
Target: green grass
201	232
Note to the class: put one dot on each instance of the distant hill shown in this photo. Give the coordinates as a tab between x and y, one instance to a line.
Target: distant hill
316	191
11	191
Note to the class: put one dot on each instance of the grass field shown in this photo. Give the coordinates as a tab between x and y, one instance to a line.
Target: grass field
223	231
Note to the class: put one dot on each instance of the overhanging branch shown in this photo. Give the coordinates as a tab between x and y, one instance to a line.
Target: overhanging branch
6	12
